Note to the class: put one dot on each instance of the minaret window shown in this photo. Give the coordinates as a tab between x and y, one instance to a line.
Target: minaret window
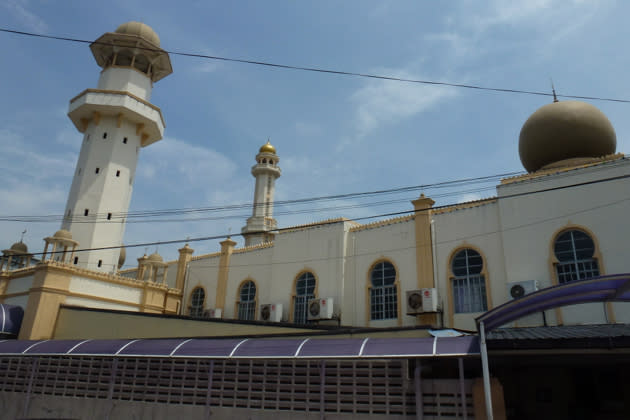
125	140
97	170
85	213
109	216
270	162
100	262
76	260
117	173
105	135
264	160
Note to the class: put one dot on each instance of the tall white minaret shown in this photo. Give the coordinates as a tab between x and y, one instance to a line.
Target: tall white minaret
260	226
117	120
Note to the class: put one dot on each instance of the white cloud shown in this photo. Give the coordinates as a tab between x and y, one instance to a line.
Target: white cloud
464	198
19	9
183	162
382	102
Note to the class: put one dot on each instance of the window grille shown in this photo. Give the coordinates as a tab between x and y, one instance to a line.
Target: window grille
469	285
362	387
197	300
247	303
304	291
383	293
575	251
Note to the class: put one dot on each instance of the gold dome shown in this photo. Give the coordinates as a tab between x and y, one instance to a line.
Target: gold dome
267	148
139	29
565	131
19	248
62	234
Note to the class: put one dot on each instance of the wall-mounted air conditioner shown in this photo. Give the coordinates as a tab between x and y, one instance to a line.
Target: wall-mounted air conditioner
212	313
421	301
320	309
518	289
271	312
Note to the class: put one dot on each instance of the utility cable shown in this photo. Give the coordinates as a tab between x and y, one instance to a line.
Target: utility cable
337	221
327	71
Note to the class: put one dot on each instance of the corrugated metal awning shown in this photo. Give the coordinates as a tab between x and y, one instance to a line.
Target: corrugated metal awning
309	348
10	319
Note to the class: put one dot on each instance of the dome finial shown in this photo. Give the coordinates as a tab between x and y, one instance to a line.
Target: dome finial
267	148
553	89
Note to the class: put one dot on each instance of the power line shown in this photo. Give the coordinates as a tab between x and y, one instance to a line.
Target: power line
332	222
327	71
308	200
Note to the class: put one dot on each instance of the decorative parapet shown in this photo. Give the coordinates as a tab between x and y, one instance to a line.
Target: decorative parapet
204	256
466	205
553	171
382	223
96	275
317	224
253	247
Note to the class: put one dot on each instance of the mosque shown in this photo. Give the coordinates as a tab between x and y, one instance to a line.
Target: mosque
436	269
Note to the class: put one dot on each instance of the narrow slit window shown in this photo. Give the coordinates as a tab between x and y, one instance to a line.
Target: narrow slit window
125	140
76	260
100	262
97	170
117	173
105	135
109	216
85	213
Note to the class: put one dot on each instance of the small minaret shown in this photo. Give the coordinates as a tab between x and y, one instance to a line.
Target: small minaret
116	120
260	226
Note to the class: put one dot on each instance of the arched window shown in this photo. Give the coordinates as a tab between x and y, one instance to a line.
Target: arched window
383	291
468	282
304	290
247	301
197	299
575	251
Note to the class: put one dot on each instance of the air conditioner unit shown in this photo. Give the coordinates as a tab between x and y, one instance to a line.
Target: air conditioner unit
421	301
518	289
212	313
271	312
320	309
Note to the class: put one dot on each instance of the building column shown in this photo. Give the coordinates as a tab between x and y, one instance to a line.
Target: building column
185	256
424	252
48	291
227	247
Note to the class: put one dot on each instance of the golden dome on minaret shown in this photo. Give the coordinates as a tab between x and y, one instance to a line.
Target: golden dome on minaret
267	148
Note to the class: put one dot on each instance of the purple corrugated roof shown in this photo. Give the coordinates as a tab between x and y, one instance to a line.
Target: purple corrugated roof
604	288
312	348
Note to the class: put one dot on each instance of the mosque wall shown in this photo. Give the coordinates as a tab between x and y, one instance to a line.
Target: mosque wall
202	272
369	245
477	229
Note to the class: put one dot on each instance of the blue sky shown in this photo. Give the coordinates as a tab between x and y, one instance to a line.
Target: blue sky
334	134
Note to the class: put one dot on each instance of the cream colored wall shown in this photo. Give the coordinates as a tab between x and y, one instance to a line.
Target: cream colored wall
255	265
529	223
87	286
392	242
203	272
477	228
19	285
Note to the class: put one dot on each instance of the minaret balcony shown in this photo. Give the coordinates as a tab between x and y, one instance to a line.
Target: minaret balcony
147	117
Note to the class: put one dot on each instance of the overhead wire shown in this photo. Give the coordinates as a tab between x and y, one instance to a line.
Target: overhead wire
337	221
327	71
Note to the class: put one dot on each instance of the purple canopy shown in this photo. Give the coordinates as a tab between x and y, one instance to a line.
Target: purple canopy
309	348
10	319
612	288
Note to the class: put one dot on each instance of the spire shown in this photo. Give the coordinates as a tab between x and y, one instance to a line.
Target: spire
553	89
